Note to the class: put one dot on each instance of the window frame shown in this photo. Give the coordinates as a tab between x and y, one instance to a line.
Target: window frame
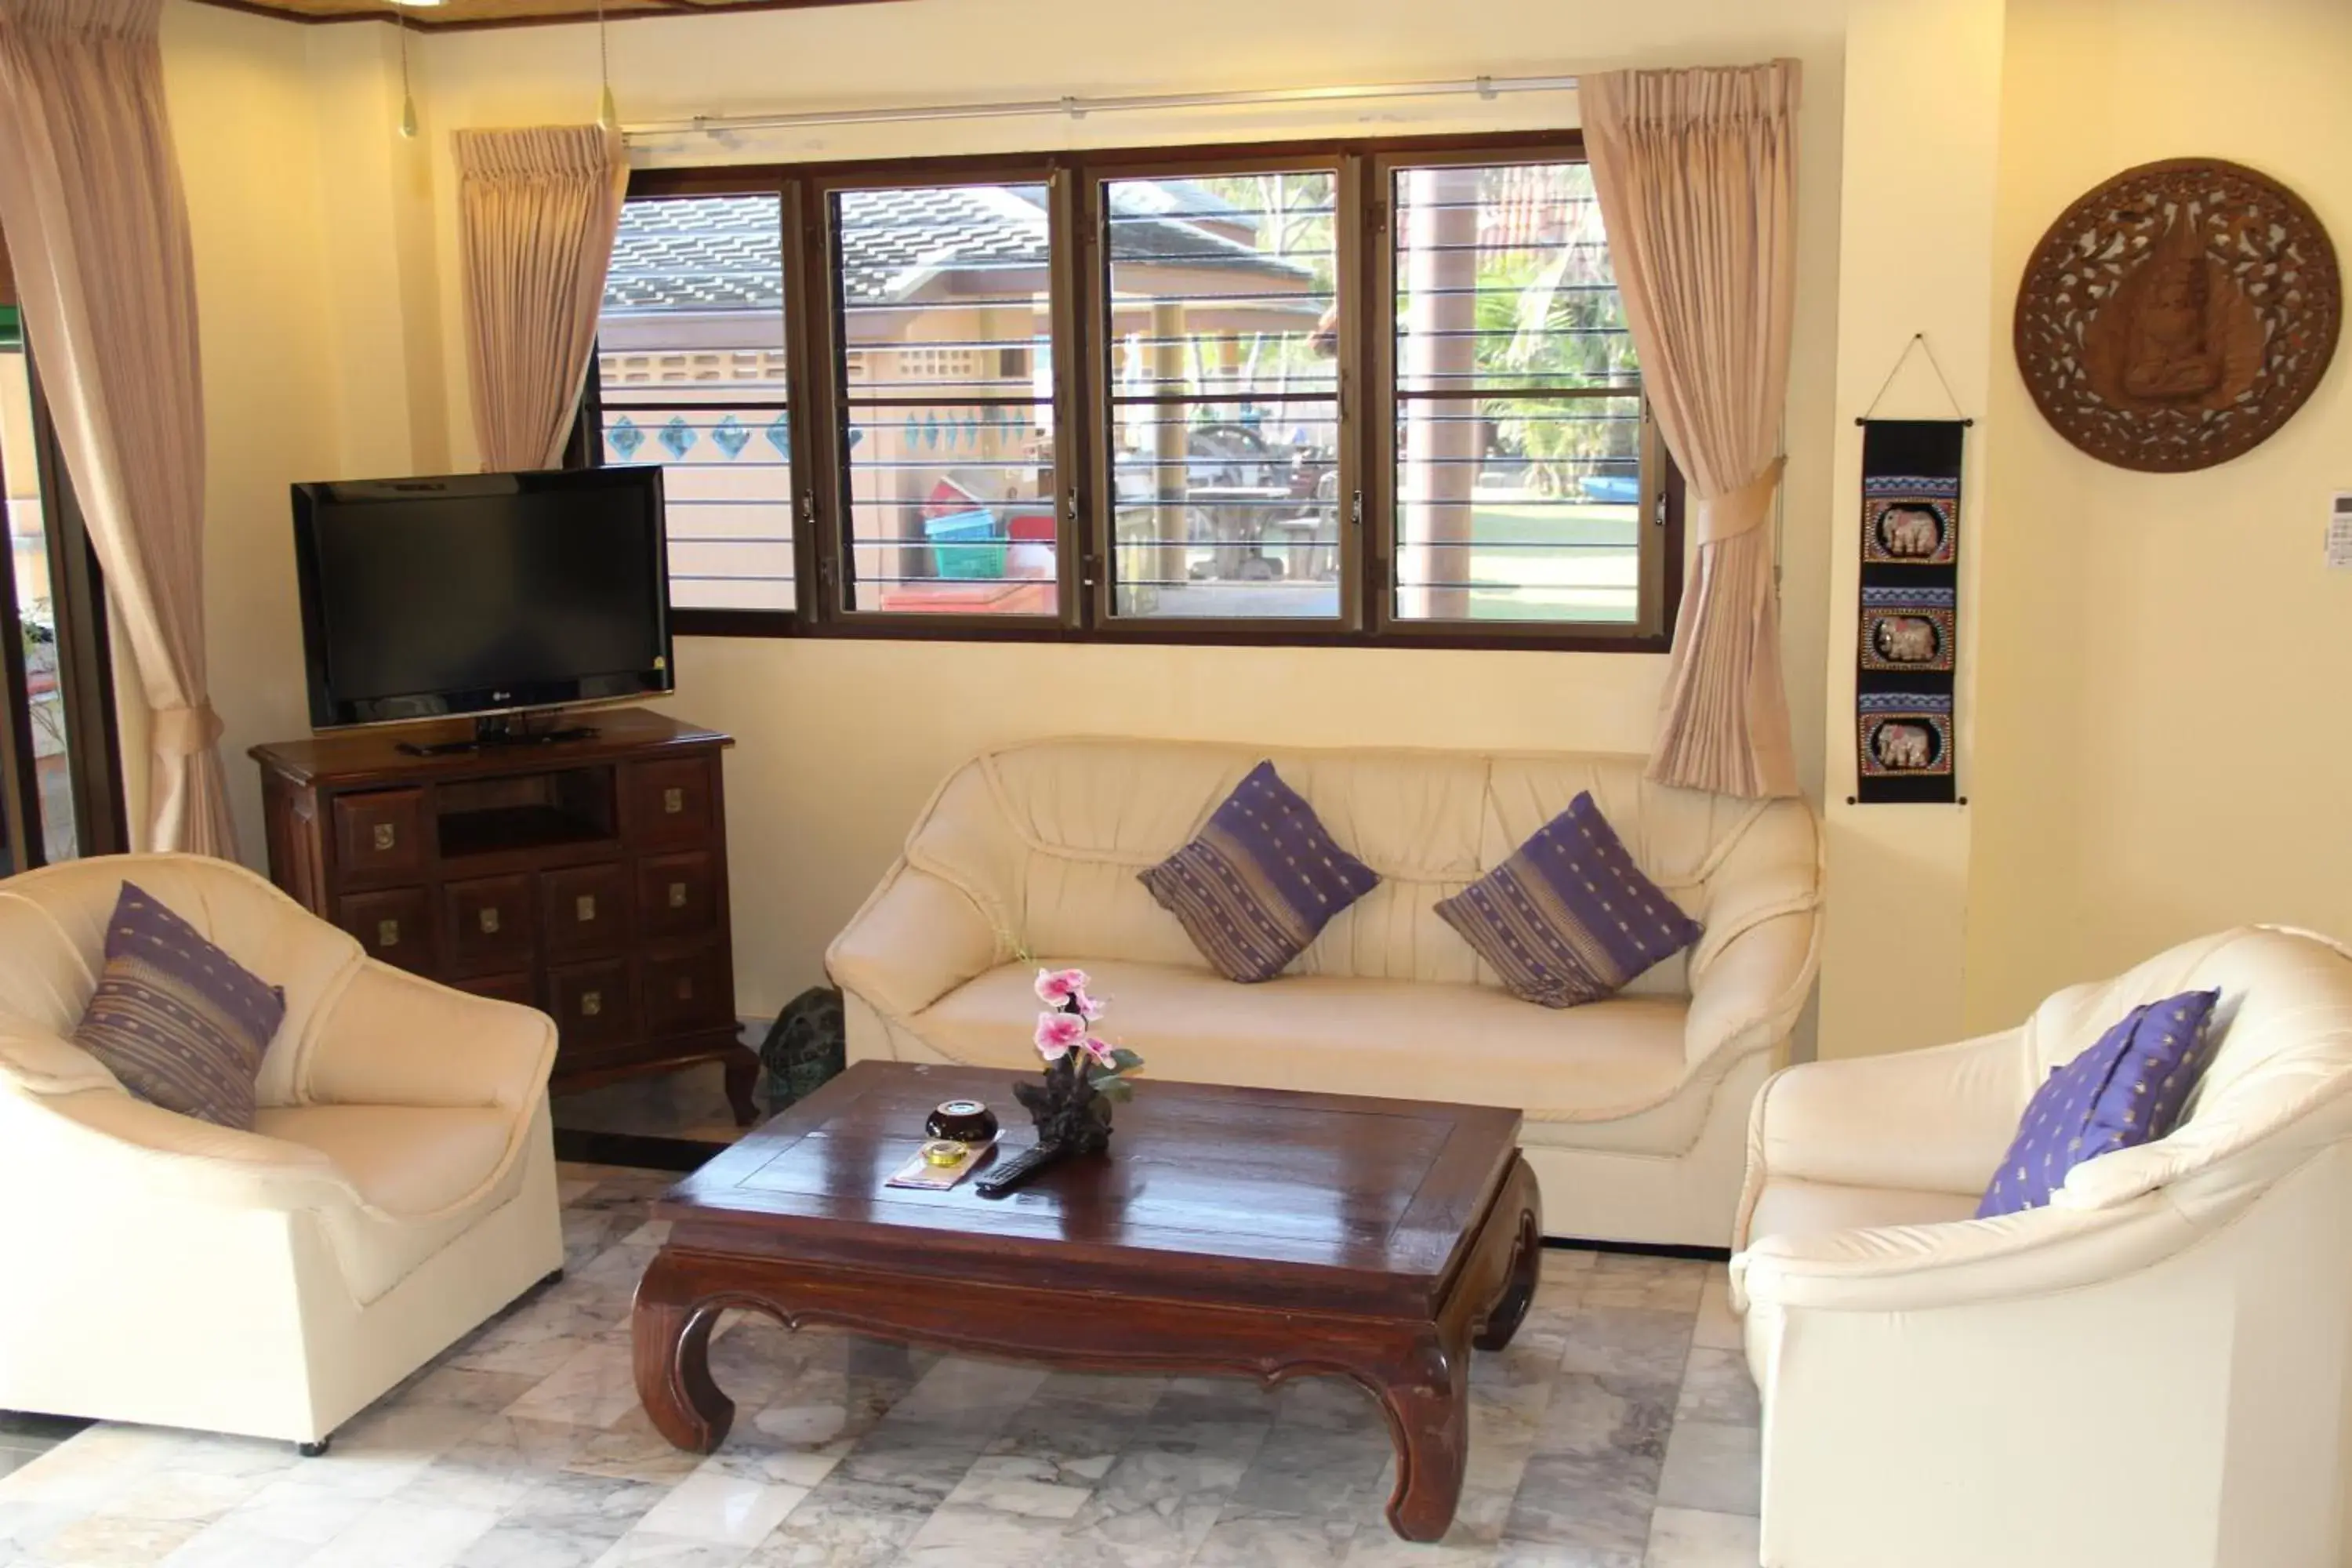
1348	242
1659	506
834	609
815	335
85	663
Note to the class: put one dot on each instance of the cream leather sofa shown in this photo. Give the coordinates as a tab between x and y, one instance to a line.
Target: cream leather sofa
2150	1372
1636	1106
398	1188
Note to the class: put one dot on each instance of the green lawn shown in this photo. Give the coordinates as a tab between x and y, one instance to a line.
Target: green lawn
1533	561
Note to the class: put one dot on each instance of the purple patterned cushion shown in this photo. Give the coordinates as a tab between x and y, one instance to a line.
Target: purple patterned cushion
180	1023
2127	1089
1260	881
1569	918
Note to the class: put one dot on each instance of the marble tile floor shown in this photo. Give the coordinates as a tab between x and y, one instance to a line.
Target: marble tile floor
1618	1431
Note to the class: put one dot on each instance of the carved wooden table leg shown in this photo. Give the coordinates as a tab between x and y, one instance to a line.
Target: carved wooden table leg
743	1083
1520	1206
669	1335
1426	1398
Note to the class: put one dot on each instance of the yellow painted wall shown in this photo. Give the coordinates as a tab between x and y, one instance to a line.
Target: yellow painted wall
2149	742
841	741
2163	656
243	116
1915	258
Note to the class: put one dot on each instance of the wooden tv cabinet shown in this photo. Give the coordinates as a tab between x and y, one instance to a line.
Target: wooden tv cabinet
585	877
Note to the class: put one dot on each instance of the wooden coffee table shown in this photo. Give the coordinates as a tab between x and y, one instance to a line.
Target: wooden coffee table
1228	1230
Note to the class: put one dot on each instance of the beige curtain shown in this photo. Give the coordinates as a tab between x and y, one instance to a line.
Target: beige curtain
1697	174
97	229
537	211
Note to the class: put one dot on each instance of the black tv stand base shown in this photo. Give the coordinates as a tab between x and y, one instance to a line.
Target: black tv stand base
502	730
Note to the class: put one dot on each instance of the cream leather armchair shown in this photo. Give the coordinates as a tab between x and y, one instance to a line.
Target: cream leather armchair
2151	1371
398	1186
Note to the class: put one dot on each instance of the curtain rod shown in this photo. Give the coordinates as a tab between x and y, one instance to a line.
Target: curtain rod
1079	108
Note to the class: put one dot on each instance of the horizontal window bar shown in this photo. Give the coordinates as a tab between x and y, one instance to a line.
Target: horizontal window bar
647	405
1256	258
862	400
1218	400
1508	389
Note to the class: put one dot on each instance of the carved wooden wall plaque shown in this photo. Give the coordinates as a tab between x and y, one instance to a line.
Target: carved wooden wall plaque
2176	315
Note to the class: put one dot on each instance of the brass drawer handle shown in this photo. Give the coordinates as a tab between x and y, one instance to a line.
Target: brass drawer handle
387	933
583	909
489	922
591	1003
678	895
673	802
385	836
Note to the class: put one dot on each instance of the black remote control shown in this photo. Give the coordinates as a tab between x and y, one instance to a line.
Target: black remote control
1003	1177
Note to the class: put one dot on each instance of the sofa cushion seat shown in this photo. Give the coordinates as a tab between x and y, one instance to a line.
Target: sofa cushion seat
1790	1206
1393	1038
408	1161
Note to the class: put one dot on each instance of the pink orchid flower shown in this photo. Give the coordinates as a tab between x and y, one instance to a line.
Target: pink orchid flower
1057	1032
1097	1047
1067	987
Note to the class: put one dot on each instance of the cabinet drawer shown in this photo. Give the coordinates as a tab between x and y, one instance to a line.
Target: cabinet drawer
678	895
490	923
380	833
692	990
584	909
670	802
595	1005
516	988
395	926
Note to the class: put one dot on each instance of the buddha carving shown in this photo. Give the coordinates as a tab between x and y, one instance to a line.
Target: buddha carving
2177	333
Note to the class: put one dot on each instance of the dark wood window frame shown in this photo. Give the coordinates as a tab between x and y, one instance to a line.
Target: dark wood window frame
816	344
85	669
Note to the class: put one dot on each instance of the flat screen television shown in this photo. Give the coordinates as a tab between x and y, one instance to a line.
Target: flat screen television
481	594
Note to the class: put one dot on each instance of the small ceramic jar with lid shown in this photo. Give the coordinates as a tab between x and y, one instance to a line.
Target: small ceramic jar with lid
964	1120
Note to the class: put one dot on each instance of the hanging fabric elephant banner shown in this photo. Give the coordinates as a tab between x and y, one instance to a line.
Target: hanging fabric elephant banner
1907	628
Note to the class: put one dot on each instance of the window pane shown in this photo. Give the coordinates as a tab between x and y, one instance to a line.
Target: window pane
1519	418
1223	306
946	319
28	544
1519	509
1504	282
690	351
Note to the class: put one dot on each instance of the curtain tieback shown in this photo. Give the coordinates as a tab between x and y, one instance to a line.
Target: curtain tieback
185	732
1733	513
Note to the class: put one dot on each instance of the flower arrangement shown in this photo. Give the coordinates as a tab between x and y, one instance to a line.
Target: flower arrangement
1086	1075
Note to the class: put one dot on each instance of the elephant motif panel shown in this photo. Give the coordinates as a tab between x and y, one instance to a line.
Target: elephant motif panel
1906	630
1905	735
1910	520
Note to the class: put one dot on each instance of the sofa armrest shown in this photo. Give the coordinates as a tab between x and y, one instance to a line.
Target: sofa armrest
1751	989
1934	1120
918	938
391	1039
1896	1268
103	1142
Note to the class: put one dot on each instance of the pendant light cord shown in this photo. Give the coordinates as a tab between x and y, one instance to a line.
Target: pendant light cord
407	95
607	115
